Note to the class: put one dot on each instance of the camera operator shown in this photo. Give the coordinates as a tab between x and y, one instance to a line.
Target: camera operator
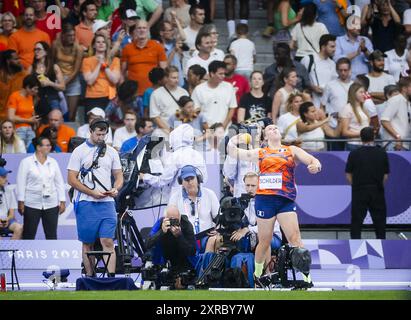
172	239
198	203
182	144
247	234
90	168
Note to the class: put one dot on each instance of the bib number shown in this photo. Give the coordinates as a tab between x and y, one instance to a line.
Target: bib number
272	181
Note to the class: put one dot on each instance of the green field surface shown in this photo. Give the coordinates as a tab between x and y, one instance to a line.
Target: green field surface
206	295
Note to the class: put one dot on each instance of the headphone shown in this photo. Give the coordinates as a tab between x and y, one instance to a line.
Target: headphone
96	122
199	175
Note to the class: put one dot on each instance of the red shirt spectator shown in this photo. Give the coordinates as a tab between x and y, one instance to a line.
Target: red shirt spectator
50	24
239	82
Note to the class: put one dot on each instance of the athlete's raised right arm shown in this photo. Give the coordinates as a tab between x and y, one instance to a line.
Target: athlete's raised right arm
241	154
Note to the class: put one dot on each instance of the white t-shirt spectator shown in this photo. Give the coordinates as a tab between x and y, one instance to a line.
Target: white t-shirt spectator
218	54
288	122
190	41
377	84
398	111
312	33
197	60
163	105
215	102
244	51
121	135
348	113
84	132
321	73
394	64
335	98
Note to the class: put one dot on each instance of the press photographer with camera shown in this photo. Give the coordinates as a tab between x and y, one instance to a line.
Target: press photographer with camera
90	168
172	239
198	203
276	191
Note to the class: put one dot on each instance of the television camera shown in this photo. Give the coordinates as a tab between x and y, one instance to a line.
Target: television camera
229	220
289	260
231	216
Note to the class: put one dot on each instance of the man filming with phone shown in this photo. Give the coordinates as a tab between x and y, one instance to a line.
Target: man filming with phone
90	169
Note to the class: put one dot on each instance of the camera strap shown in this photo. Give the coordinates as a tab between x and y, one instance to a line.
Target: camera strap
306	39
168	91
100	153
290	126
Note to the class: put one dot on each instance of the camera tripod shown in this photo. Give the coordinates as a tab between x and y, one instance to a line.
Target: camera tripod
213	273
129	243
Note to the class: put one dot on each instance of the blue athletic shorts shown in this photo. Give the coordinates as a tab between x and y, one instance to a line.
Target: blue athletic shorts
268	206
95	220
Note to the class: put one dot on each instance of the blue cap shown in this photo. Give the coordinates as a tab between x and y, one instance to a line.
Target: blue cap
188	171
4	172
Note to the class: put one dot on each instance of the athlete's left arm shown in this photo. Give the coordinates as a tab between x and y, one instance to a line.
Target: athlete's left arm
312	163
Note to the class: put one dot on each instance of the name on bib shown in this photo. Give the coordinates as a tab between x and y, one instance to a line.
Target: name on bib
271	181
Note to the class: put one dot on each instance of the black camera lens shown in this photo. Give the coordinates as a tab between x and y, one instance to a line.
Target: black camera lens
185	47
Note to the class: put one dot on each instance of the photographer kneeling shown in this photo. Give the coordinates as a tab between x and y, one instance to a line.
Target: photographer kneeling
172	239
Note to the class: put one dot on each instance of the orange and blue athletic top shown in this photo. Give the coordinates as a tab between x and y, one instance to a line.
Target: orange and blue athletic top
276	172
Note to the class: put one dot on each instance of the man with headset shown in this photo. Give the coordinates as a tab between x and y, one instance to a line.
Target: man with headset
90	168
198	203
